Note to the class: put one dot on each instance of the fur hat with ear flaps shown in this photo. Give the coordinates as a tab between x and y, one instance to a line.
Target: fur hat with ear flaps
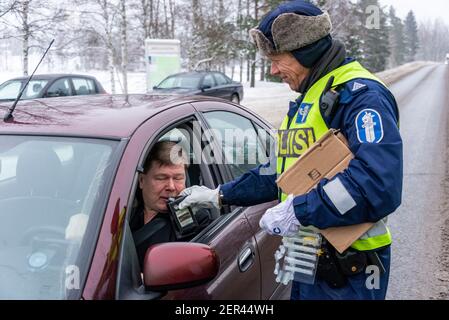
293	26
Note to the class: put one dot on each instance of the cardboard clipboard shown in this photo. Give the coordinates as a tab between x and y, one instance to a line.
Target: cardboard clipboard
327	157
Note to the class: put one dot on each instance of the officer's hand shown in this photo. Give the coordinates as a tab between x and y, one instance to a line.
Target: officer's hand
200	197
281	220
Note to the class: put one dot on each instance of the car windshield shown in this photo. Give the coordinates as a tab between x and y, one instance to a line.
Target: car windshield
11	89
184	81
52	195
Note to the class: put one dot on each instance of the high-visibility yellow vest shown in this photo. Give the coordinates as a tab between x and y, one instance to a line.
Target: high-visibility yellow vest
299	133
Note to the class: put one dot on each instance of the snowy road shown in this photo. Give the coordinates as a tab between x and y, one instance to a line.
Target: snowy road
420	250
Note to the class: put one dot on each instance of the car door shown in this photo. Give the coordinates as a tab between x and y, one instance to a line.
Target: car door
230	234
83	86
223	117
60	88
225	90
208	86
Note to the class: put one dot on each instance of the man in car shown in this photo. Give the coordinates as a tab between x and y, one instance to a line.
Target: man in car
296	39
163	177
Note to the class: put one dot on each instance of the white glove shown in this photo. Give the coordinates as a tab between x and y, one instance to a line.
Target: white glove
200	197
281	220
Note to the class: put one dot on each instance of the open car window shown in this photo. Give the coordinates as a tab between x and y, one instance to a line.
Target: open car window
239	140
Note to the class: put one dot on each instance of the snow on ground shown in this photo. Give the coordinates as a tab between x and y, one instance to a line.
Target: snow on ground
268	99
395	74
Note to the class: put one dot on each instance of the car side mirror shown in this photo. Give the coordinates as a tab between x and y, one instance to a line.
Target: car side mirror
205	87
51	95
154	87
179	265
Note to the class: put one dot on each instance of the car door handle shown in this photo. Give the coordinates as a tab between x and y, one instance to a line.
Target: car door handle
246	259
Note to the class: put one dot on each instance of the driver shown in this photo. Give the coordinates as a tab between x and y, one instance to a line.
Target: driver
163	177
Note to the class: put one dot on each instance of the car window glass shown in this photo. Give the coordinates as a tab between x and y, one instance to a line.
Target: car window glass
237	136
11	89
221	80
54	185
208	81
268	144
83	86
184	81
60	88
34	89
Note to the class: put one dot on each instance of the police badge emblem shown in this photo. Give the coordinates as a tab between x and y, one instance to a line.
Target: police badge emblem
303	112
369	126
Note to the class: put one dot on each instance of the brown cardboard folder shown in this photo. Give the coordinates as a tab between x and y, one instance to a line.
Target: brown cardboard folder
327	157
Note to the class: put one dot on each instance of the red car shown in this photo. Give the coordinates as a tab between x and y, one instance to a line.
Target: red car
76	159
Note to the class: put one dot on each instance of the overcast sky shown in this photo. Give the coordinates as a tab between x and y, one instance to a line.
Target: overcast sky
424	9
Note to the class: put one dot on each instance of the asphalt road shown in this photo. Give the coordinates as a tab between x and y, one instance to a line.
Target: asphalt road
420	227
420	265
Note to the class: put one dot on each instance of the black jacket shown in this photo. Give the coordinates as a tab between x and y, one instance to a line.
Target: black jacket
159	230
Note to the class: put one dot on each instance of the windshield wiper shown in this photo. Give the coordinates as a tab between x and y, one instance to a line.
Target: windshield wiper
9	115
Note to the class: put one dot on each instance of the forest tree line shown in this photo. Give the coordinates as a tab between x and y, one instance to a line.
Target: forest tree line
110	34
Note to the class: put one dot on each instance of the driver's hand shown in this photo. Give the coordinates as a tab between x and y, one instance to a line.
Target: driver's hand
76	227
200	197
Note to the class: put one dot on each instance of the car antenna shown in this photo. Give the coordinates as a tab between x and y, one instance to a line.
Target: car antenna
9	115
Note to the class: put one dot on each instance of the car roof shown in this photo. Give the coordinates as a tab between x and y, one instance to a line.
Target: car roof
194	73
108	116
50	76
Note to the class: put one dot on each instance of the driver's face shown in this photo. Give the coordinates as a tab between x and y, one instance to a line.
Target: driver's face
161	183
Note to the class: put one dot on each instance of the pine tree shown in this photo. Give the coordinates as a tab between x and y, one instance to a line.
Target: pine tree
411	37
351	32
397	39
374	33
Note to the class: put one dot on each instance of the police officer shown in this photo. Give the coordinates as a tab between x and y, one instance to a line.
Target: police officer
335	92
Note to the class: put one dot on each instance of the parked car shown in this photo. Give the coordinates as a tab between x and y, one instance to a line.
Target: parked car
71	157
49	86
205	83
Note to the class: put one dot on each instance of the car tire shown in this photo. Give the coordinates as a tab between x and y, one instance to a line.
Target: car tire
235	98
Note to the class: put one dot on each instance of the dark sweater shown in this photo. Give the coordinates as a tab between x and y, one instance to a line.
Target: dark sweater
164	232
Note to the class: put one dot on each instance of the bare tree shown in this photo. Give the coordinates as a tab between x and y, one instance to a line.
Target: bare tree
100	21
33	23
254	52
124	45
6	7
434	43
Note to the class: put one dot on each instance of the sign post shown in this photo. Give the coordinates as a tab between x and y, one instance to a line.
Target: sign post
163	58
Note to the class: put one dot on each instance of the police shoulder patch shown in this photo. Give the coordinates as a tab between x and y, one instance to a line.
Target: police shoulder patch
358	86
369	126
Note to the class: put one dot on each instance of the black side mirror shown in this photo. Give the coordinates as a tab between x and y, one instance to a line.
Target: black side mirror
205	87
154	87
